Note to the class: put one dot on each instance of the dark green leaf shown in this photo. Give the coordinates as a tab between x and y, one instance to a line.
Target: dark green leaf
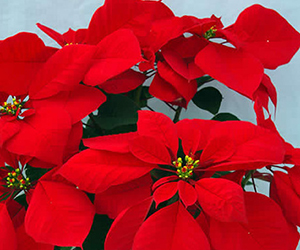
209	99
204	79
116	111
21	199
95	239
225	117
34	173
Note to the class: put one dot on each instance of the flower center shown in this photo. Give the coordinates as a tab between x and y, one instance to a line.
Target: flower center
185	171
210	33
16	180
12	107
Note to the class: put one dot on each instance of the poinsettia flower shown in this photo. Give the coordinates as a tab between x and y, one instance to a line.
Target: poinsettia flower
30	113
224	146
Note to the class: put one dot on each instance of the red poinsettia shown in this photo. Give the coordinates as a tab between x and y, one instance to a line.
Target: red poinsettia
120	163
46	112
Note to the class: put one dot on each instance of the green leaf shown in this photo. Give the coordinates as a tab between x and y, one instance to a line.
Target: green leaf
225	117
34	173
204	79
21	199
95	239
209	99
144	96
116	111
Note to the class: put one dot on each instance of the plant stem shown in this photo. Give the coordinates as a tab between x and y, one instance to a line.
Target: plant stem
170	106
177	114
247	177
254	186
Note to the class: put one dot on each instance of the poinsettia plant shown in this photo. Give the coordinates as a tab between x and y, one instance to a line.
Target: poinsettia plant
86	163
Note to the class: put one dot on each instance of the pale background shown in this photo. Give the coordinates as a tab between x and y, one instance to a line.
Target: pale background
21	15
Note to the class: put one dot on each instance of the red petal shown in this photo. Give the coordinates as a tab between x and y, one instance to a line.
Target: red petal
53	34
8	130
166	229
221	199
275	43
236	69
63	71
294	174
164	91
25	242
115	54
150	150
7	234
135	15
164	192
261	232
59	214
123	230
187	193
22	56
186	88
45	133
159	126
286	196
124	82
255	146
117	198
194	134
118	143
102	170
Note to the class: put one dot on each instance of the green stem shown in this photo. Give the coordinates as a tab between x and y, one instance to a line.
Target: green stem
253	183
177	114
247	178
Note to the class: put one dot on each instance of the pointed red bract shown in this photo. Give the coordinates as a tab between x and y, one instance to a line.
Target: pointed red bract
115	143
221	199
117	198
150	150
45	134
159	126
170	228
115	54
283	193
234	68
124	82
266	228
123	230
103	169
187	193
25	242
269	45
8	238
59	214
21	57
255	146
164	192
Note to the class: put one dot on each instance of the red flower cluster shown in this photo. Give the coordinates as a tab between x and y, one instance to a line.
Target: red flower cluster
168	185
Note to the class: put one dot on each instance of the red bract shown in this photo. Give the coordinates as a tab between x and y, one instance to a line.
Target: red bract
261	232
284	190
275	43
59	214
